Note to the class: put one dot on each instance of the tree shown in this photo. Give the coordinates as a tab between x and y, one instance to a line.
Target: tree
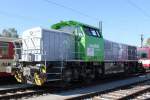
10	32
148	42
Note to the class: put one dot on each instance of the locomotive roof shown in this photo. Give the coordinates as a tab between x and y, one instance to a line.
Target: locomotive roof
41	28
10	39
70	23
120	43
144	48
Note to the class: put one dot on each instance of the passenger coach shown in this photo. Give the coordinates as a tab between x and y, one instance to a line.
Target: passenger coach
144	56
7	54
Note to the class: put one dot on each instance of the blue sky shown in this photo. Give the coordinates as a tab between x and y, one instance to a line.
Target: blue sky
122	21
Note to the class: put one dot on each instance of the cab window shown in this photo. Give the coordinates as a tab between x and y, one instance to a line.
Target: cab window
94	33
143	55
87	31
91	31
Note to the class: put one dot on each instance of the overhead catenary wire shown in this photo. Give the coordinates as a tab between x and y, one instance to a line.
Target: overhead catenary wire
23	17
143	12
17	16
138	8
71	9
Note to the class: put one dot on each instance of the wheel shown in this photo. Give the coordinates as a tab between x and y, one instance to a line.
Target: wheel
67	75
90	75
76	74
99	72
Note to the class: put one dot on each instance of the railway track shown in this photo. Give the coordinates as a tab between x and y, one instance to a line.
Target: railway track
120	90
9	91
90	92
22	91
20	94
143	96
30	91
125	93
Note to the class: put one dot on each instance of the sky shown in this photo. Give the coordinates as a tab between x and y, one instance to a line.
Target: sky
123	20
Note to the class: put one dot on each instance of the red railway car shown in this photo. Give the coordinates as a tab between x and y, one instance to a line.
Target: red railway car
7	53
144	56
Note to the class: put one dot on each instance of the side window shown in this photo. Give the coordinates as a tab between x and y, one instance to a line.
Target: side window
87	31
142	54
98	33
18	51
4	48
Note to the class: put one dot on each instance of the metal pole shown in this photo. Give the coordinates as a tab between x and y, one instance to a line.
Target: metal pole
100	27
142	39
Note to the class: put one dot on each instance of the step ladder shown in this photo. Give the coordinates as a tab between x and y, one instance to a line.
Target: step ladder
54	73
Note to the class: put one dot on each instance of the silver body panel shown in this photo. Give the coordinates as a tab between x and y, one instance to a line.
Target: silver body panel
115	51
50	45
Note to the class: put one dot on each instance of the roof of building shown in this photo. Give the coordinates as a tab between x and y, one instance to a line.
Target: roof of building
10	39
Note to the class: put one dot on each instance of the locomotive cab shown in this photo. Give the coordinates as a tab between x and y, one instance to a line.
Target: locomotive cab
89	40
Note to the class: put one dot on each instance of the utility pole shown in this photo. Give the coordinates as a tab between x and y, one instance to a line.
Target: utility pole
142	39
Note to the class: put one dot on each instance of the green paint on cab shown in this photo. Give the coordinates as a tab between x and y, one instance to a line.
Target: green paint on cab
89	42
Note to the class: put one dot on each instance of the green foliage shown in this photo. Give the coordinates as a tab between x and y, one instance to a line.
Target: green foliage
148	42
10	32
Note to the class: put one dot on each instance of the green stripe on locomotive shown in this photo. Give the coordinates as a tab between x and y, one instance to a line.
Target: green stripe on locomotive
88	46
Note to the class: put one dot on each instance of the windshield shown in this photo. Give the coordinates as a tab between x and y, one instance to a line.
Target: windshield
142	54
91	31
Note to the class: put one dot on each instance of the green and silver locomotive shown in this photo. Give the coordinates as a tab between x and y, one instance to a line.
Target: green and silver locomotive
71	51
